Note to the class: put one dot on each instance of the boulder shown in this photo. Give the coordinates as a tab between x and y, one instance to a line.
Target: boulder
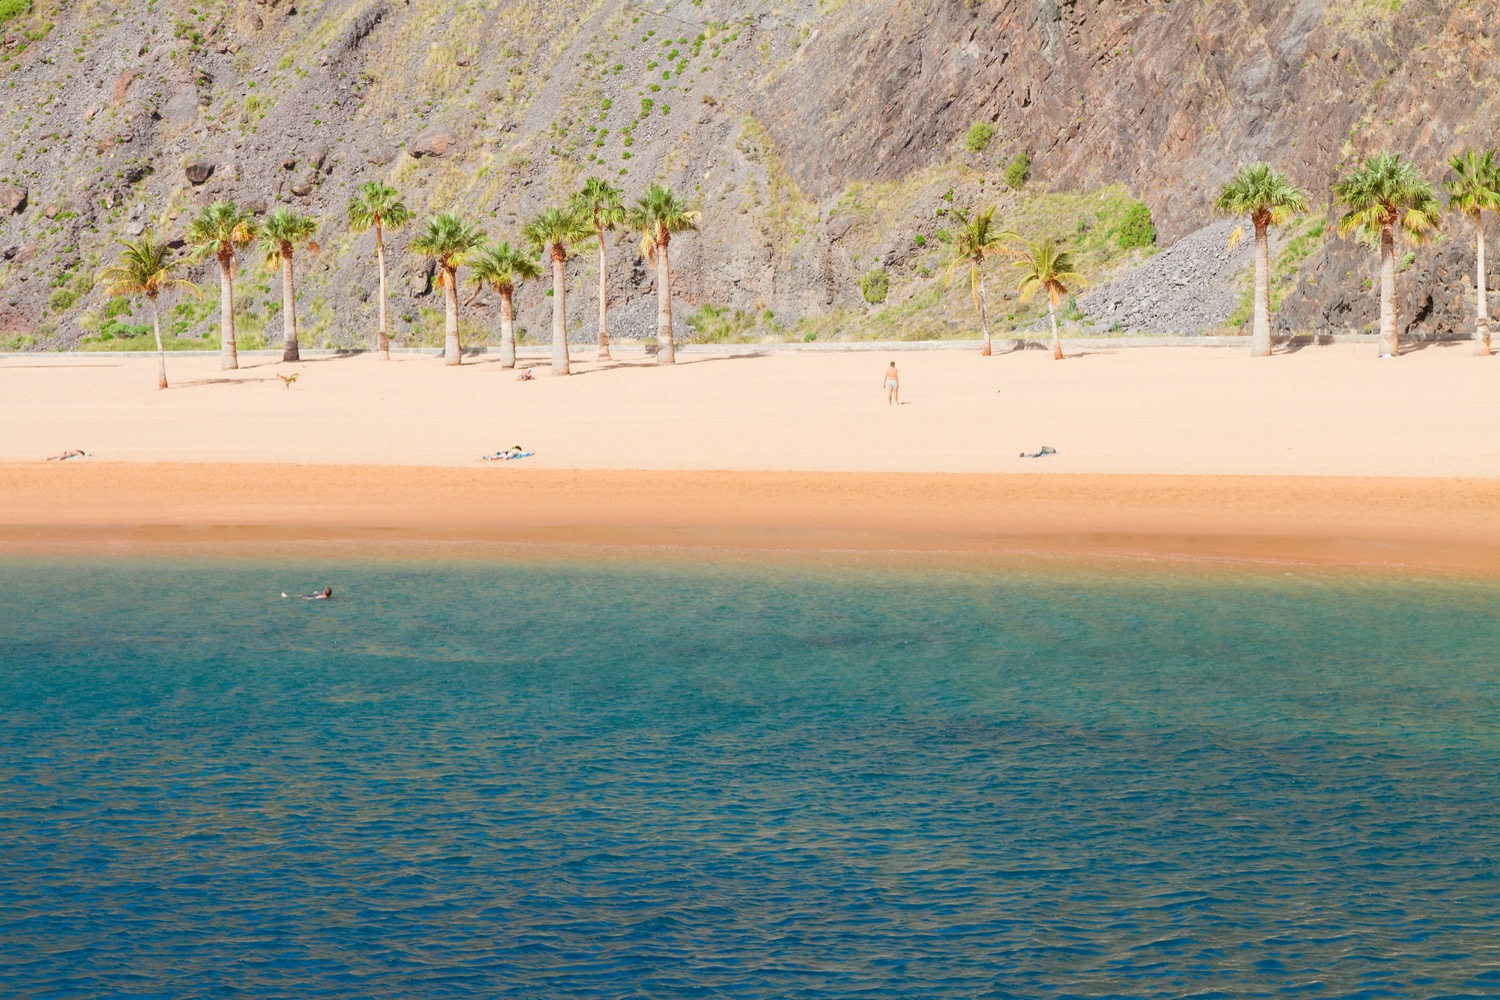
379	155
198	171
256	206
318	156
433	142
12	199
302	188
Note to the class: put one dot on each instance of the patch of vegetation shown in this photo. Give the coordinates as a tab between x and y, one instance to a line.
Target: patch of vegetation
721	325
875	286
1136	229
978	139
10	9
1018	171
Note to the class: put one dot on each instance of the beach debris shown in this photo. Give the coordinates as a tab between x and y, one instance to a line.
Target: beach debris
70	453
287	380
1044	451
509	454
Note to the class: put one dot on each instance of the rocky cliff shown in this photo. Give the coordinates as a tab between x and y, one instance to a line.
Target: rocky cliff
824	141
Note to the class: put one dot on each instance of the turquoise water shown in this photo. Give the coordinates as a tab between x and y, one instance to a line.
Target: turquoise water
575	780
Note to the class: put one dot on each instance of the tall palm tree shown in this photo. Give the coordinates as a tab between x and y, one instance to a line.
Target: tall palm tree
1474	187
146	267
219	231
1386	193
284	231
603	205
378	206
657	216
973	243
1043	265
1270	199
448	240
554	232
502	267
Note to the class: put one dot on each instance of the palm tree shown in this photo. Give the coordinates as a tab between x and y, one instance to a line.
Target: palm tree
219	232
1270	199
146	267
1044	265
554	232
283	232
1387	192
377	206
974	242
601	204
658	214
448	240
502	267
1474	187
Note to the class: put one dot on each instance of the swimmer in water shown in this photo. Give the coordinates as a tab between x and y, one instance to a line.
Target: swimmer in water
321	595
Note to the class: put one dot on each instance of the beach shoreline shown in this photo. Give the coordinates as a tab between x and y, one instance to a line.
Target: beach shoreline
100	509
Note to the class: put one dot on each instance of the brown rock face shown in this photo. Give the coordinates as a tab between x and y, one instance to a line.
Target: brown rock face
121	89
12	199
198	171
433	142
1168	98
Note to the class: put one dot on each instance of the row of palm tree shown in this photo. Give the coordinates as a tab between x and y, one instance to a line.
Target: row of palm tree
147	268
1385	195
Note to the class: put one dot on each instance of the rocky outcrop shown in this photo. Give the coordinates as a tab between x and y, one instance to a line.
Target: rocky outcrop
12	199
198	171
433	142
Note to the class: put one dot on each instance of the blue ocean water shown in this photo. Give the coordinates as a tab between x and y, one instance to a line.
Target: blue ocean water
618	780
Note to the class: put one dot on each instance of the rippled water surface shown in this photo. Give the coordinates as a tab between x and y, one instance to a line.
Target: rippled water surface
575	780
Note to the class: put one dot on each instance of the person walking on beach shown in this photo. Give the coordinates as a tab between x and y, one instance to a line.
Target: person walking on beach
892	386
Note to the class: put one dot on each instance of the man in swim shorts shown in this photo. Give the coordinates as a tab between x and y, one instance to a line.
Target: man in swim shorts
892	386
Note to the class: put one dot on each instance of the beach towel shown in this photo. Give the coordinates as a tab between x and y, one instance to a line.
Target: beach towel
505	456
1038	454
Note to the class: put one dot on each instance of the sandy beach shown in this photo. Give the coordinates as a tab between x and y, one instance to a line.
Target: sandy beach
1327	455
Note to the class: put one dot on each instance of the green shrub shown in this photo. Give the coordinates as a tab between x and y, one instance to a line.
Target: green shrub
875	285
980	134
1018	171
1136	230
13	8
62	299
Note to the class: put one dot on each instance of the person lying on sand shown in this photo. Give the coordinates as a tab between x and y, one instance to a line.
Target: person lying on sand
514	451
525	375
321	595
70	453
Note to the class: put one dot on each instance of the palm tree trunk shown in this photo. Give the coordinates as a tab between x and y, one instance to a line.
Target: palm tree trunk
228	356
666	348
1260	329
603	292
984	318
289	351
453	353
559	316
507	331
1389	343
384	337
1057	354
1482	328
161	353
